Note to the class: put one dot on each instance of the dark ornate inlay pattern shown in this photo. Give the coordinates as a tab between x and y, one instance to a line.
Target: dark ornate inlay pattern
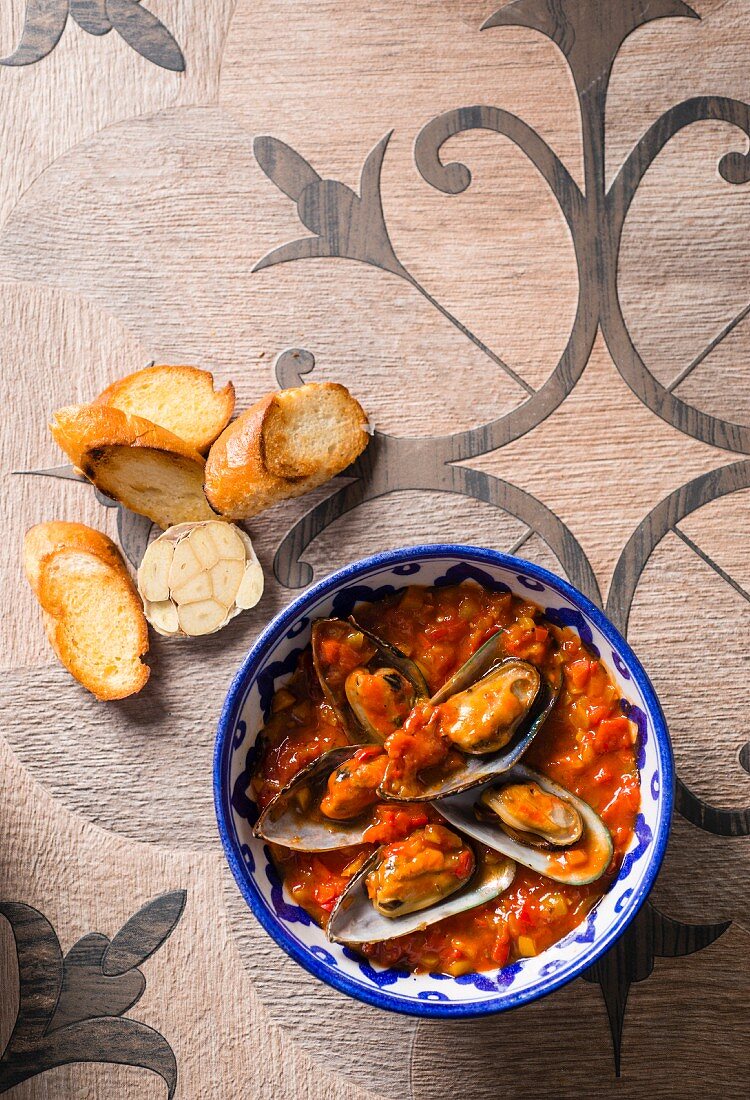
45	22
72	1008
651	935
665	518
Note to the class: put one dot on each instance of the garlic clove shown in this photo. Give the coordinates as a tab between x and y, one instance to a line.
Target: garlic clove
185	565
226	577
202	617
228	541
197	588
203	545
251	586
153	574
162	615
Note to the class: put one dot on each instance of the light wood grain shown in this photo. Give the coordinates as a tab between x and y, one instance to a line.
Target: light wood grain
194	298
87	84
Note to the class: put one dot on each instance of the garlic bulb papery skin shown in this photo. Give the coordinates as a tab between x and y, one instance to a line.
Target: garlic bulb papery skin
195	577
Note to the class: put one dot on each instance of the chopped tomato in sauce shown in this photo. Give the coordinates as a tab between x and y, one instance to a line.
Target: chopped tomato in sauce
587	745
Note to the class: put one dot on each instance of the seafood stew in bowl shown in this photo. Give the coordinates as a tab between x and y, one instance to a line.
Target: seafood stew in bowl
454	776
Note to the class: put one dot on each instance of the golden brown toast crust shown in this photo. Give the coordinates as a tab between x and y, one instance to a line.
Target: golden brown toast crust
181	399
121	474
82	428
250	467
65	577
44	538
102	442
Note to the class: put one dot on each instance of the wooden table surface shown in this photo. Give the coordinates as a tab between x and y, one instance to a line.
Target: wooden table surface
552	344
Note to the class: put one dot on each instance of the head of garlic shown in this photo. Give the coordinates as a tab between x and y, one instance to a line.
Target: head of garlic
195	577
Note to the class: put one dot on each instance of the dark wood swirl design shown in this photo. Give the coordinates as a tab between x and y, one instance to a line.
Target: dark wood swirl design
72	1009
45	22
650	936
665	518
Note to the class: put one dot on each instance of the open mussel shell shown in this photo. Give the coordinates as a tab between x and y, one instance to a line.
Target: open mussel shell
408	683
478	770
596	843
293	818
355	920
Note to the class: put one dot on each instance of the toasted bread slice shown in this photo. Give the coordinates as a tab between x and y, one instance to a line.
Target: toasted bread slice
181	399
283	446
139	464
45	538
94	620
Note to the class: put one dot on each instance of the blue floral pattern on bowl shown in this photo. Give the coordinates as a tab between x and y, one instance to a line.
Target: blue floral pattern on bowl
270	663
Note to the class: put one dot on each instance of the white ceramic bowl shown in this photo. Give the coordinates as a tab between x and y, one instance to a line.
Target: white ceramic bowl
272	660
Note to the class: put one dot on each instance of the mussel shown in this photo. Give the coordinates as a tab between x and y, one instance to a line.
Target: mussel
533	815
370	684
415	873
490	709
536	822
327	805
381	699
483	718
406	886
353	786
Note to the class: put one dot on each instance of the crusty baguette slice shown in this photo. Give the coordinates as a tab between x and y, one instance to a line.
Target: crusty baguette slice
283	446
141	465
94	620
181	399
79	429
44	538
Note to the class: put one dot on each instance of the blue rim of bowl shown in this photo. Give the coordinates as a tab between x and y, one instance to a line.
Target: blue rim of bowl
222	755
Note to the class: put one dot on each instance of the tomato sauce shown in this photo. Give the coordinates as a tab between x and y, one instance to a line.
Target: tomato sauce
587	745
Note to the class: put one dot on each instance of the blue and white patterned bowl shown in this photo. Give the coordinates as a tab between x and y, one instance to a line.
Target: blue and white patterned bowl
273	658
